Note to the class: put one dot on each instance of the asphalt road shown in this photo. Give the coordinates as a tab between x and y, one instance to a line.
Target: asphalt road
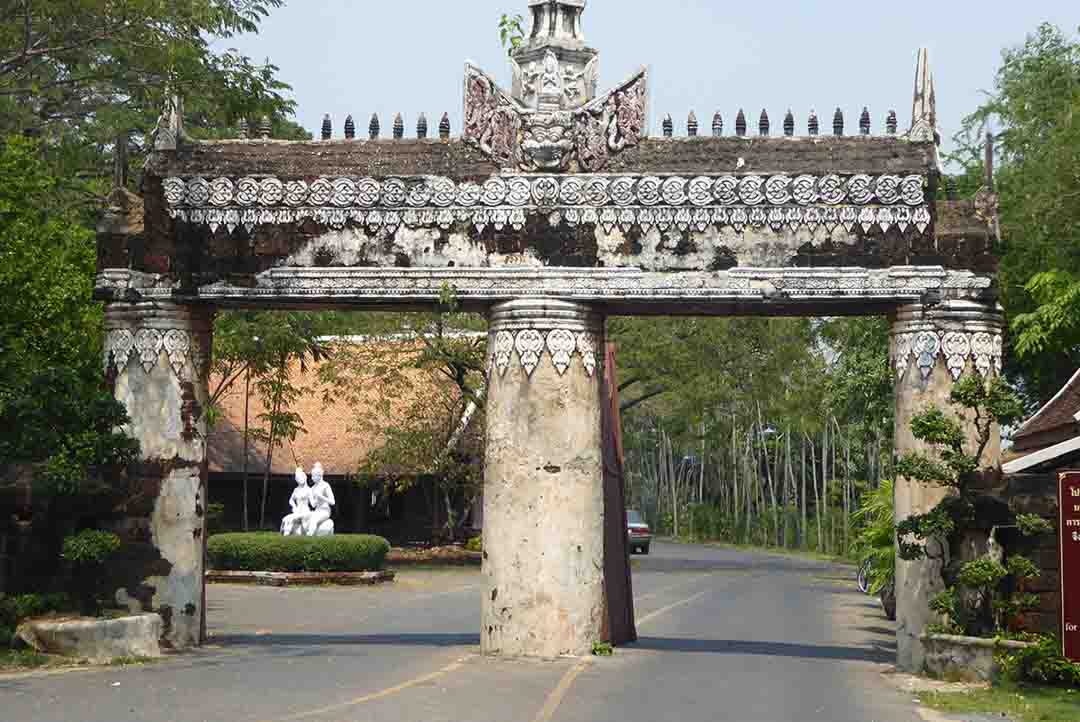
724	635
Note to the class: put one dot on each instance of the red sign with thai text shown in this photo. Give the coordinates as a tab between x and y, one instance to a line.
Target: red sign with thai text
1069	531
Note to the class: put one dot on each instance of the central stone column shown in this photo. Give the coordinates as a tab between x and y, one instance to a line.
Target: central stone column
157	356
932	347
543	563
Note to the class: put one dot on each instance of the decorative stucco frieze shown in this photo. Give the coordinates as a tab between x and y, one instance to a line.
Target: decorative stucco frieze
625	201
530	346
924	348
146	345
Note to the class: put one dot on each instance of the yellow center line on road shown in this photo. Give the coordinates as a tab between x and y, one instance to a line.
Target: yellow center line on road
663	610
453	666
643	597
551	704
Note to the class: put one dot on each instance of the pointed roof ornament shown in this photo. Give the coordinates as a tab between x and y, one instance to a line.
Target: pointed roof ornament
890	123
170	126
691	124
717	125
421	126
242	129
327	127
350	127
444	126
924	103
265	127
812	125
399	127
789	123
763	123
740	124
668	126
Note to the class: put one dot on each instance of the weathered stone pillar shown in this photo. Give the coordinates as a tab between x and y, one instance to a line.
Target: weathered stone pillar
932	347
543	561
157	356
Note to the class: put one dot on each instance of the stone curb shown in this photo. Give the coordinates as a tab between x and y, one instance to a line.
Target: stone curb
466	558
299	579
95	640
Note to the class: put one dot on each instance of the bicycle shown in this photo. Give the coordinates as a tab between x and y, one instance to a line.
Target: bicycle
863	577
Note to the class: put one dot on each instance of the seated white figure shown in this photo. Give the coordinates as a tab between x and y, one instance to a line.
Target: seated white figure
319	522
300	503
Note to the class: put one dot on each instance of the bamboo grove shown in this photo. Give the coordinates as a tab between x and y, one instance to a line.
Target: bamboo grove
755	431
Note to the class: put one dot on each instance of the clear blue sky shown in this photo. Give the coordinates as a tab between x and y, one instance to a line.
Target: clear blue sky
359	57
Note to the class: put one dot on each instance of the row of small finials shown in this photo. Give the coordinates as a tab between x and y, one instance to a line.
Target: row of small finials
264	128
812	125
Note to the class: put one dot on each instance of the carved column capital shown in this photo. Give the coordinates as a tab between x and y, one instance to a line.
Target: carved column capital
140	332
528	331
958	331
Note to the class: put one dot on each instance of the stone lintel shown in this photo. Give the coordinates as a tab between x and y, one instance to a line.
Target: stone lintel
767	291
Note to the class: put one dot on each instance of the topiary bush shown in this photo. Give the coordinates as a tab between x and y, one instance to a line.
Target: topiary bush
271	552
87	552
14	609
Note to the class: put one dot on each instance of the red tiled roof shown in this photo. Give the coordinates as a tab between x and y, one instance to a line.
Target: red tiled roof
336	433
1059	411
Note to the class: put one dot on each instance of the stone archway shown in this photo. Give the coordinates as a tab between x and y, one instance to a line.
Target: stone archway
551	212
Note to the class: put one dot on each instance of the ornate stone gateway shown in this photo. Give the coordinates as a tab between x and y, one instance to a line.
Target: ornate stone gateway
553	210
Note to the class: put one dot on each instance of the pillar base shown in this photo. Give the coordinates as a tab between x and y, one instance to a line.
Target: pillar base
543	564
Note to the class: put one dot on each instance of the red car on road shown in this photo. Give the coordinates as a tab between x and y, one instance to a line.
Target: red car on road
637	532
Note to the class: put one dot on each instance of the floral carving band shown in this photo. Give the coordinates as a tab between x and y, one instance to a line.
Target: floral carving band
530	345
925	347
146	345
776	201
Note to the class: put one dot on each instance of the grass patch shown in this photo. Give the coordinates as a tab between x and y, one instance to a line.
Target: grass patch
1024	703
602	649
17	660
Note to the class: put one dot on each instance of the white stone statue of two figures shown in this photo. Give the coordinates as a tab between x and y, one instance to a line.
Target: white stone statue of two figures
311	506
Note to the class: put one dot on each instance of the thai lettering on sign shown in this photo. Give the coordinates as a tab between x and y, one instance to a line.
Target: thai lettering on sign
1069	530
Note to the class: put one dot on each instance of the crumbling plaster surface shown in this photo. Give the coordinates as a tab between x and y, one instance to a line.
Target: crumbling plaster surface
653	250
917	582
165	398
544	507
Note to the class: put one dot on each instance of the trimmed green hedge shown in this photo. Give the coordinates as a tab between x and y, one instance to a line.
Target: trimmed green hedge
271	552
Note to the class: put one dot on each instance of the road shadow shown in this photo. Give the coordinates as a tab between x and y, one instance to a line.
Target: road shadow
350	640
768	649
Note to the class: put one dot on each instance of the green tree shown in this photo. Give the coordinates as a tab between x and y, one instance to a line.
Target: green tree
1033	114
263	348
54	407
422	386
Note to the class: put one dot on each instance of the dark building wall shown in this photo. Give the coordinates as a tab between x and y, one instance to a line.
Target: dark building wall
1037	494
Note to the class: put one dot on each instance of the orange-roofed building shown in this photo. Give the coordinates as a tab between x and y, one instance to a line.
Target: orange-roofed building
345	412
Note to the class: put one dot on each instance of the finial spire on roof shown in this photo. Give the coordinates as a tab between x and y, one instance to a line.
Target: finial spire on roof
553	68
924	102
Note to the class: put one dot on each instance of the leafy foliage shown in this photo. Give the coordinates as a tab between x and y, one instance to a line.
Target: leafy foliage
427	383
88	551
511	32
1042	663
269	552
82	73
53	405
1034	113
875	538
